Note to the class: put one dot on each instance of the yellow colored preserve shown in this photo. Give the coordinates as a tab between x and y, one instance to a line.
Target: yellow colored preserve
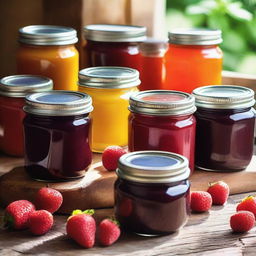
110	89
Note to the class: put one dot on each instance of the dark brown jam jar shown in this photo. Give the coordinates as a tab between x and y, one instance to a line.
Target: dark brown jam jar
152	192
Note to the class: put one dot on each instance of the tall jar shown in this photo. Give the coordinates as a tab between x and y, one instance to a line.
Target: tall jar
110	89
225	127
56	129
193	59
163	120
113	45
13	90
49	51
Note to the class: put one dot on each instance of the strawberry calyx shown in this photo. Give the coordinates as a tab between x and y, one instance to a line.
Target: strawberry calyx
8	221
77	212
211	184
114	220
248	198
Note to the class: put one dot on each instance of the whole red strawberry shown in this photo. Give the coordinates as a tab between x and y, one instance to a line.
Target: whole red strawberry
109	231
81	227
17	214
242	221
40	222
247	204
48	199
111	156
219	191
201	201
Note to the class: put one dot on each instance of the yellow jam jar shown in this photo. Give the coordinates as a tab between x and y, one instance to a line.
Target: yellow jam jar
110	89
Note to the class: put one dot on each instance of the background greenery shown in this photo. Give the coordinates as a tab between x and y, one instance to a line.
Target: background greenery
236	19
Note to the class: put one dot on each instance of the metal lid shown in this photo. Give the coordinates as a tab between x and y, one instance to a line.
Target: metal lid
162	102
47	35
109	77
19	86
114	33
153	167
153	47
58	103
224	97
195	36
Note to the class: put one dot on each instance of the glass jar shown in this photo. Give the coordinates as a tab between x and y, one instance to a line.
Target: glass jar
13	90
110	89
163	120
113	45
193	59
56	129
49	51
152	192
225	127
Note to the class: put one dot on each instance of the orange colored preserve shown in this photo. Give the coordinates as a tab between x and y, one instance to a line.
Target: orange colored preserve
193	59
49	51
13	90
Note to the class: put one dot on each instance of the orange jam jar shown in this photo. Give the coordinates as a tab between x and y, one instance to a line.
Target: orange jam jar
193	59
49	51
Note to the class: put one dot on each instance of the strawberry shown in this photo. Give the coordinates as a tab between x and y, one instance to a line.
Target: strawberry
111	156
242	221
48	199
40	222
201	201
109	231
17	214
219	191
247	204
81	227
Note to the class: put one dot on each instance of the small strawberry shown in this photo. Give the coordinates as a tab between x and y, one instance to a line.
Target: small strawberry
247	204
200	201
48	199
111	156
81	227
17	214
40	222
109	231
219	191
242	221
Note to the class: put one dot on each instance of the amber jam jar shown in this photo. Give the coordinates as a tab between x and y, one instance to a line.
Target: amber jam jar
163	120
56	128
225	127
152	192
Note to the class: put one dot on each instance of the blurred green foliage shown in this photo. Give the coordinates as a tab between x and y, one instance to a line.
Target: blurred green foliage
236	19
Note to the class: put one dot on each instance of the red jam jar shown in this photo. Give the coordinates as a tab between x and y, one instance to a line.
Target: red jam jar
152	192
56	128
113	45
225	127
13	90
163	120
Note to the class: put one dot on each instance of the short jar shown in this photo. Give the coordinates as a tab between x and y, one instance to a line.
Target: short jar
13	90
163	120
56	129
225	127
152	192
49	51
113	45
110	89
194	59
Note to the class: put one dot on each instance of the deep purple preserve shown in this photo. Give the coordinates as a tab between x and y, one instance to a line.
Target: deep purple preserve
56	130
152	192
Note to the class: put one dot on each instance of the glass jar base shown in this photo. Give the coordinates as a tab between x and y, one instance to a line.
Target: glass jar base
218	170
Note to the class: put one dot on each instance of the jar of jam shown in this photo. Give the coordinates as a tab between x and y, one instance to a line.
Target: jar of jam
225	127
113	45
49	51
152	192
110	89
56	128
13	90
193	59
163	120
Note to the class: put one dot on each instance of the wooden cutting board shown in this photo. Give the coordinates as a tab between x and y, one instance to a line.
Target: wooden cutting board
95	189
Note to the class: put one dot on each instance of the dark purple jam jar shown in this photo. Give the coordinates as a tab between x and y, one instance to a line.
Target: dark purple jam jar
56	130
152	192
225	127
